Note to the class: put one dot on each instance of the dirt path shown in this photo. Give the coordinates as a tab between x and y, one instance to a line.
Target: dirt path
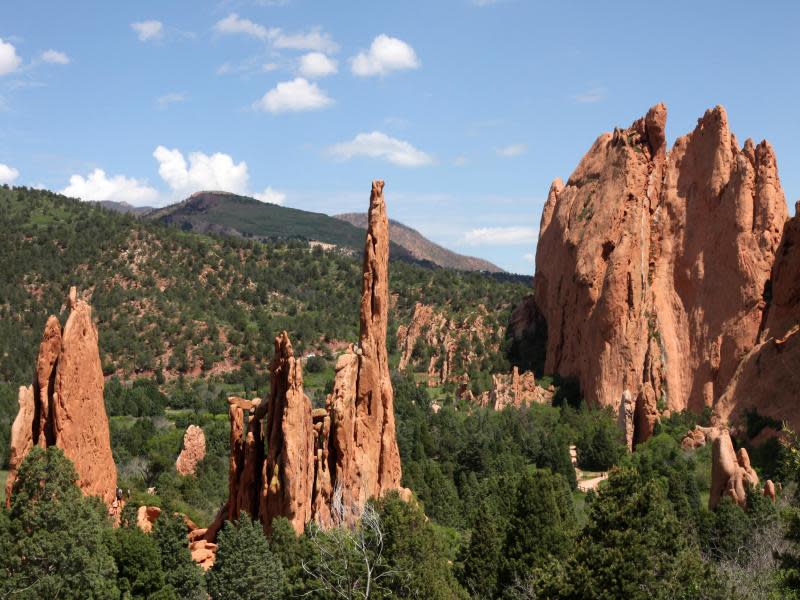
587	480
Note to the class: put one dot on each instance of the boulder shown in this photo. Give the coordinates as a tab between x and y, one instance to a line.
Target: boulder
146	516
194	450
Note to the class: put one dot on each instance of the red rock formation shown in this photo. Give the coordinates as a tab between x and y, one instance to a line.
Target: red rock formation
731	472
287	460
769	490
21	436
146	516
517	390
194	450
67	402
767	378
651	267
289	466
444	337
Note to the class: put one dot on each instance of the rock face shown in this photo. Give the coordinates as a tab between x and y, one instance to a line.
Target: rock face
321	465
194	450
445	340
513	389
731	472
651	267
767	378
67	402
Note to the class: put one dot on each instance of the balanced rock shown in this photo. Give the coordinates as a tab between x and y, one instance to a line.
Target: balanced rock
651	267
194	450
67	401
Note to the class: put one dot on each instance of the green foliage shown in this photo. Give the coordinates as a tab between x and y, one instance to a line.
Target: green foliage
418	550
633	546
139	572
52	540
190	300
245	568
181	573
599	446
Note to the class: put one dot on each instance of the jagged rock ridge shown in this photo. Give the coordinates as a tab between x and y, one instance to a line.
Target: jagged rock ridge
321	465
651	267
64	407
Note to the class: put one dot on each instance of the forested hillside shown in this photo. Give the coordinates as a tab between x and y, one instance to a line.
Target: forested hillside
179	302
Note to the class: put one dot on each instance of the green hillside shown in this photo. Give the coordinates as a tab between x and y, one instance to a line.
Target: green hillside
179	302
224	213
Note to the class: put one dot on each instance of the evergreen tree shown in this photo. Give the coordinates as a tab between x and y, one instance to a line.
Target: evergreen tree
181	573
53	543
139	572
245	568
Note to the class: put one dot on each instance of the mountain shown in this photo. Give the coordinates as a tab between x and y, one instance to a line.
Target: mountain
422	248
124	207
230	214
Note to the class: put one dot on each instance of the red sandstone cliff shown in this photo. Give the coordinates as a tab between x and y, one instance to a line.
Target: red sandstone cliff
651	266
65	407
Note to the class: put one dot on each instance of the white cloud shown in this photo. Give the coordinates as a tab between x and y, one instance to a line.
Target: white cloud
55	57
170	98
148	30
293	96
317	64
590	96
271	196
499	236
9	60
269	67
215	171
512	150
386	54
530	257
98	186
379	145
234	24
315	39
7	174
460	161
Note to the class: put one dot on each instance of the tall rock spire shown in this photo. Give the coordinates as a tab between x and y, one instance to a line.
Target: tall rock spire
67	403
322	465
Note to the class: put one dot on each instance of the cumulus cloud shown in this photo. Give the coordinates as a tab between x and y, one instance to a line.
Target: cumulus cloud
170	98
233	24
499	236
9	59
7	174
317	64
381	146
98	186
294	96
512	150
216	171
315	39
148	30
386	54
271	196
54	57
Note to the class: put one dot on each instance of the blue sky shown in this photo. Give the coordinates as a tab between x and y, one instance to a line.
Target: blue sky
467	108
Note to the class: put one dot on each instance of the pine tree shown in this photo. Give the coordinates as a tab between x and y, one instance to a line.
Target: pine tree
245	568
53	543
